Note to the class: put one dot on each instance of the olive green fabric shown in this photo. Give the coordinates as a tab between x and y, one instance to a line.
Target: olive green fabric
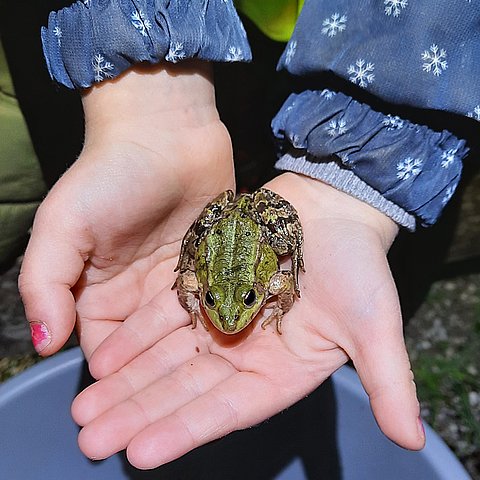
275	18
21	183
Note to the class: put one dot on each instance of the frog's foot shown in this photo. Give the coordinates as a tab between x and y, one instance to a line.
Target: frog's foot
297	264
275	316
195	317
187	292
189	301
283	287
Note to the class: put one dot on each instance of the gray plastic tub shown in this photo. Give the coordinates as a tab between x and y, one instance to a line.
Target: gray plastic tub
38	436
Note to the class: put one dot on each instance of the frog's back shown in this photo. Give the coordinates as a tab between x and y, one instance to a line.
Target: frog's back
231	249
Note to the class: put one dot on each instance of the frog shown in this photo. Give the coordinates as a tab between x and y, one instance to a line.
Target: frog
229	261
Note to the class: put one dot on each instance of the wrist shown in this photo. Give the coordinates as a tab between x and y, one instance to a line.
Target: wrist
152	98
327	203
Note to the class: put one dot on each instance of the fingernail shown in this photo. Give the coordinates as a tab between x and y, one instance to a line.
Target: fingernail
421	428
41	336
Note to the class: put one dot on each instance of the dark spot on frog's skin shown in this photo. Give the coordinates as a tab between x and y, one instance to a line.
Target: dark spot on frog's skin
197	349
261	207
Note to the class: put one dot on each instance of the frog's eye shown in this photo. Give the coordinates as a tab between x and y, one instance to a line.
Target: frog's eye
209	300
249	298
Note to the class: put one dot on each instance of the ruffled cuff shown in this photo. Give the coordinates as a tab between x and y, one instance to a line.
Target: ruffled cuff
403	169
94	40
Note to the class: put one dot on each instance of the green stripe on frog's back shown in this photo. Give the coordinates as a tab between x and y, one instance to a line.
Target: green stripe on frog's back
232	250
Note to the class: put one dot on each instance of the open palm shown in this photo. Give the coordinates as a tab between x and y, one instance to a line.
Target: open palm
165	389
104	239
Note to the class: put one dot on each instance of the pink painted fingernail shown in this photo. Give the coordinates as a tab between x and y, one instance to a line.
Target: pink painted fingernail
41	336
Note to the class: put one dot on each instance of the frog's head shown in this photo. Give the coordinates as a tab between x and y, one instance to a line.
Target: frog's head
232	307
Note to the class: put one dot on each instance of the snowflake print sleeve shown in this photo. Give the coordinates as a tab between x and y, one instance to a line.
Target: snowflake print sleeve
423	54
407	171
91	41
393	52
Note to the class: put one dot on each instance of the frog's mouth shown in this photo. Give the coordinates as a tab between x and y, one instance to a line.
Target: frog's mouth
230	325
238	322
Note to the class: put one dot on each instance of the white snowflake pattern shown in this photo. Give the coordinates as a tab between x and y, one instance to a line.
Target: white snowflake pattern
141	22
334	24
290	107
344	157
327	94
409	167
336	128
395	7
291	49
234	54
393	122
448	157
449	194
102	68
57	31
296	141
435	60
361	73
475	114
175	53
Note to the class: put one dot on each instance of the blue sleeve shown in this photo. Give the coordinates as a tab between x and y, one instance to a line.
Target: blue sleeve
330	136
422	54
94	40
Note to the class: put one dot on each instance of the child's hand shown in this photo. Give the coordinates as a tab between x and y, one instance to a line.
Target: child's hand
166	389
106	238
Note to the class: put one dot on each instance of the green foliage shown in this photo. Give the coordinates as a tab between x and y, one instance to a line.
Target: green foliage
452	373
10	366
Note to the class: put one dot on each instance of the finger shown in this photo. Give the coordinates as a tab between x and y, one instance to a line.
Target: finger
114	288
382	363
242	400
104	305
112	431
157	362
92	332
162	315
50	268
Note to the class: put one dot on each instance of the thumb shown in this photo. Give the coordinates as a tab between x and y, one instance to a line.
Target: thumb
381	360
51	266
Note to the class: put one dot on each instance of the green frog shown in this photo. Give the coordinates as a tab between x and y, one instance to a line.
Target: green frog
229	260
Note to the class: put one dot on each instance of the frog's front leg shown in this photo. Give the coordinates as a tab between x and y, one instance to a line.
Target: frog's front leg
187	292
282	285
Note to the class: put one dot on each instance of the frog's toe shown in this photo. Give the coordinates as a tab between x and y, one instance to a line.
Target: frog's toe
277	317
195	318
